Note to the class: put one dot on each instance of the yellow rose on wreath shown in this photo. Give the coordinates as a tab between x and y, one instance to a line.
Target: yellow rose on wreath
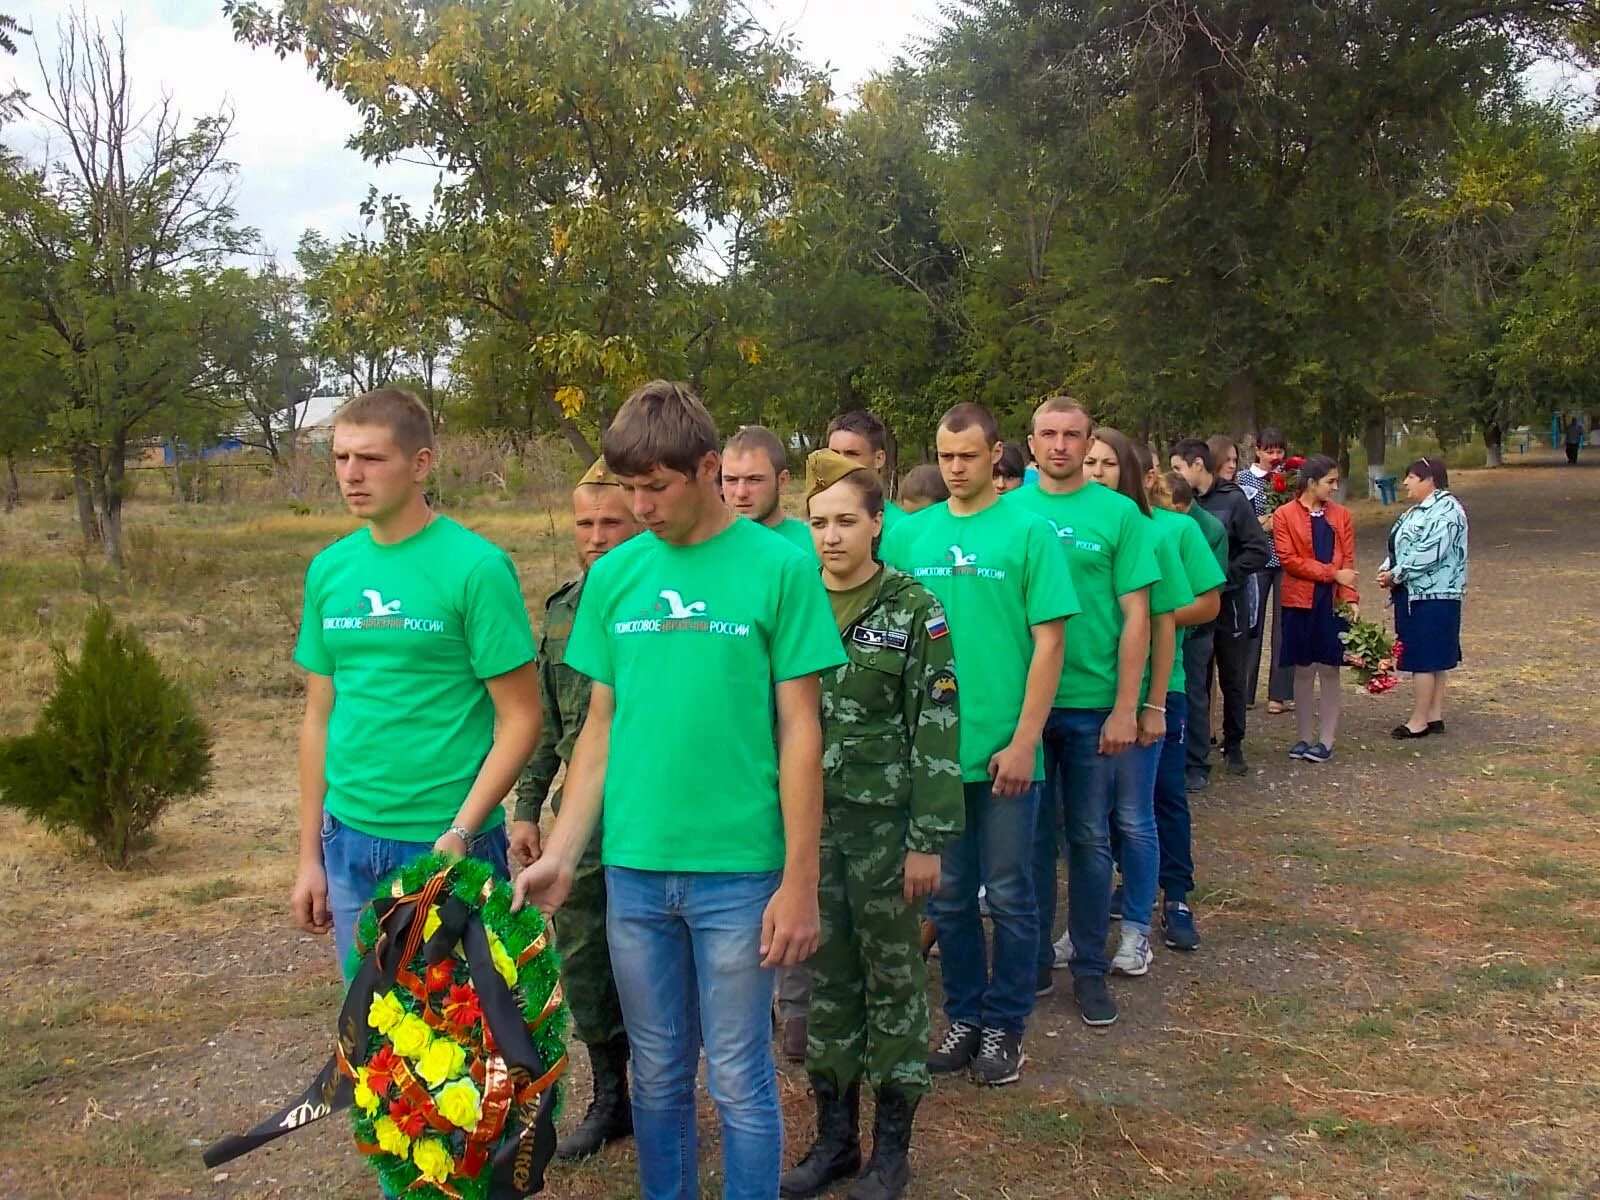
433	1159
411	1037
391	1139
385	1012
366	1099
502	961
460	1104
443	1059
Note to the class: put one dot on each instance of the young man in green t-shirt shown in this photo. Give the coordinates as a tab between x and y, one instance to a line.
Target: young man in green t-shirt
1091	739
702	756
861	437
422	701
755	471
1006	591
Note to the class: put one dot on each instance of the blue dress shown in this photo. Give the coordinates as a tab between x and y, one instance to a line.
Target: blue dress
1311	635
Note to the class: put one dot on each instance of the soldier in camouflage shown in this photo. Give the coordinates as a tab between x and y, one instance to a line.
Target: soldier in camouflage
892	796
602	520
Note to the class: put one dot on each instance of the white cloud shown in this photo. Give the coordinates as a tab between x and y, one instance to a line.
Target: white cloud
295	171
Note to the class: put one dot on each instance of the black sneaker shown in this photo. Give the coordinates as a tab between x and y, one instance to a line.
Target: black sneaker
1044	983
1000	1058
1094	1000
1116	903
957	1050
1236	762
1177	926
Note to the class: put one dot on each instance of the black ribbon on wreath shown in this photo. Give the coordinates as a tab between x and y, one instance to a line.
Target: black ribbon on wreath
518	1165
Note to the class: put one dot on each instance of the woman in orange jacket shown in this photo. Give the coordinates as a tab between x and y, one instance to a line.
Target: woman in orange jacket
1316	544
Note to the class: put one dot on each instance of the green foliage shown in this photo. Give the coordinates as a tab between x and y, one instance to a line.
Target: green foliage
115	743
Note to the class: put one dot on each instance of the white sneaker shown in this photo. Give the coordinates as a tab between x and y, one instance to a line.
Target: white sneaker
1134	955
1063	950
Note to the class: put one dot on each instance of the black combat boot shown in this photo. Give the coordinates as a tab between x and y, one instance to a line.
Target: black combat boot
836	1154
889	1170
610	1116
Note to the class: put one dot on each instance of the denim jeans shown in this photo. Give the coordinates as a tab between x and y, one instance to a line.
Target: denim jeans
686	952
357	862
1084	780
1176	875
991	850
1133	843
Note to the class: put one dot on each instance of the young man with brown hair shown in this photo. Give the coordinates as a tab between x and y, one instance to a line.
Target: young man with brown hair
602	520
862	438
422	701
755	470
1004	584
702	756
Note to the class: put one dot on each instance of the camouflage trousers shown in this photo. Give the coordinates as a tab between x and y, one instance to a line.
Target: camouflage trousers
869	999
580	937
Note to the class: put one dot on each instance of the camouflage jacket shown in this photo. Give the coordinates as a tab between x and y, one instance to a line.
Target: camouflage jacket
889	715
564	695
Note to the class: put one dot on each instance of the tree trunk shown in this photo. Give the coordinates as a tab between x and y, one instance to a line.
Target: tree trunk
13	484
177	474
1239	394
88	520
1493	445
1375	442
569	430
110	479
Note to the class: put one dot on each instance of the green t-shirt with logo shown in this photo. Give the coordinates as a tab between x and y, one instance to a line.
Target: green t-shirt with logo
1168	594
1108	544
997	572
692	639
408	633
1177	535
797	533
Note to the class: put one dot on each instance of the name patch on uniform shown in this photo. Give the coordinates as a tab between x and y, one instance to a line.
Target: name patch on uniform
942	688
893	639
937	627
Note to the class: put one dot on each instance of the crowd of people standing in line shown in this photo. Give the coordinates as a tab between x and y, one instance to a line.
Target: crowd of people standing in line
761	776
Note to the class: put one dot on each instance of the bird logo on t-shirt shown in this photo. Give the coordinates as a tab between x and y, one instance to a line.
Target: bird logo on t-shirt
958	559
374	599
677	610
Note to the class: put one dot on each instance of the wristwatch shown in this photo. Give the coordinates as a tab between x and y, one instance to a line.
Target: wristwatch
462	832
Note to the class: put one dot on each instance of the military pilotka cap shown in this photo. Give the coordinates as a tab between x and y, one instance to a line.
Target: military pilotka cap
824	468
599	475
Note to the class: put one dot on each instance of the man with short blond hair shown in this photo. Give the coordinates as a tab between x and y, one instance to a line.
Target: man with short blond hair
702	756
415	624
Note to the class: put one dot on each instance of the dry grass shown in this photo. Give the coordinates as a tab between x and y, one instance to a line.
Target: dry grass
1399	995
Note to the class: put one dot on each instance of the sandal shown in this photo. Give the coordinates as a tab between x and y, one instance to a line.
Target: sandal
1404	733
1275	708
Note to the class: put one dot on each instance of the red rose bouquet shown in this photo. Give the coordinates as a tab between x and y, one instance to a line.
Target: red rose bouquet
1283	484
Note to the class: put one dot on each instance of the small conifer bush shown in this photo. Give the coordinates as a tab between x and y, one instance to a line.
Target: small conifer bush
115	743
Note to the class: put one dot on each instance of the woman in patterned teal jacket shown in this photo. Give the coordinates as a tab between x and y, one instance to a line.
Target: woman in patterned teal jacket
1426	574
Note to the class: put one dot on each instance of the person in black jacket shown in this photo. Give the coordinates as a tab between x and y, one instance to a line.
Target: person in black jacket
1248	552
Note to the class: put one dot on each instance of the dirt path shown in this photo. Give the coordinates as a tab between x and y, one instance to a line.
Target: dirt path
1398	995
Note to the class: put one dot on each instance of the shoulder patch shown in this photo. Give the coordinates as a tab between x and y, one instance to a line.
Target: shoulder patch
942	688
937	627
893	639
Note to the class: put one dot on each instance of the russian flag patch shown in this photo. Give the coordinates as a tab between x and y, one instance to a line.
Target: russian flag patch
937	627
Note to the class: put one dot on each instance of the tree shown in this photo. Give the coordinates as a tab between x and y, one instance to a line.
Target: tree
591	154
262	345
114	239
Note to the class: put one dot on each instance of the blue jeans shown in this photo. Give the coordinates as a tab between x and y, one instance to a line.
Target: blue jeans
1133	829
1084	780
1176	875
686	953
357	862
992	850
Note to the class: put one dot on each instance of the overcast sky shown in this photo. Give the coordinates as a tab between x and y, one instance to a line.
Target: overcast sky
294	170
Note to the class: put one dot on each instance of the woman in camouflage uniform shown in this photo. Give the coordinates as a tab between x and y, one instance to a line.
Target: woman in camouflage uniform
892	796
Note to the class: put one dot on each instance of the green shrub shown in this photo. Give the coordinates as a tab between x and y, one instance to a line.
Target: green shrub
115	743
